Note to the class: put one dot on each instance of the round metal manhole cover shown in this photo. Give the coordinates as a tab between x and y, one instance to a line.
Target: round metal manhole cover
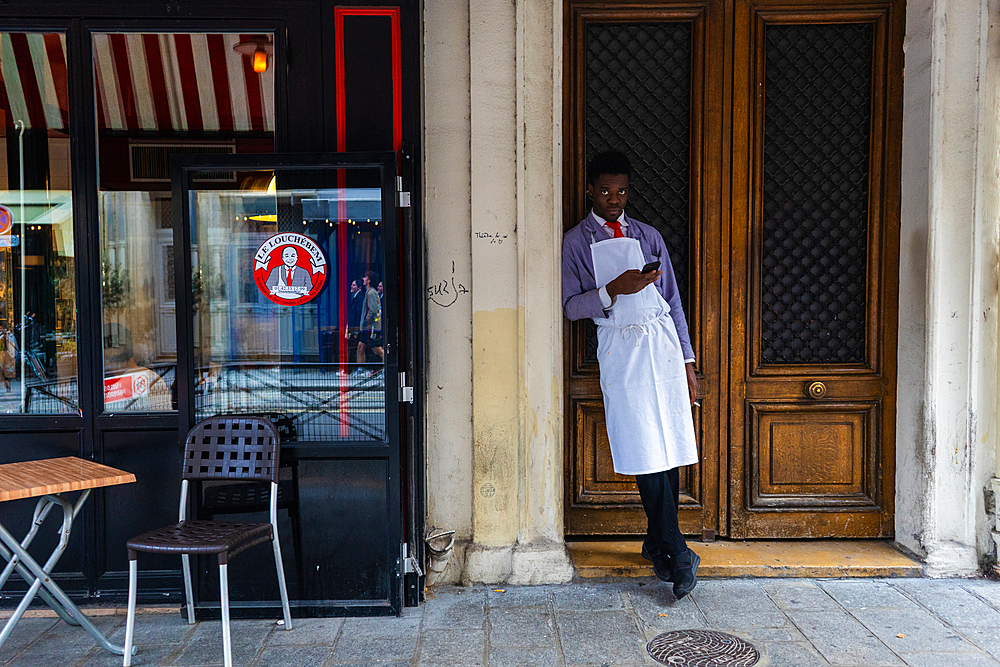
702	648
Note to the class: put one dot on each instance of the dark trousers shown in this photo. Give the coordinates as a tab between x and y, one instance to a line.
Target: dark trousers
660	493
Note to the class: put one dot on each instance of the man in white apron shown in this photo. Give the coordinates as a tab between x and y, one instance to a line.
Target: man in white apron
645	356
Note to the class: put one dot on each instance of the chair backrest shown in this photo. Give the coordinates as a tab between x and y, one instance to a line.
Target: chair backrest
232	448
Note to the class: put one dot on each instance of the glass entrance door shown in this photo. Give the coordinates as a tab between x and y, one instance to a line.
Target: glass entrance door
287	285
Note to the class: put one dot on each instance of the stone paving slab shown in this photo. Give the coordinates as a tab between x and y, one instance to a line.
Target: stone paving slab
842	639
953	604
912	630
867	594
792	623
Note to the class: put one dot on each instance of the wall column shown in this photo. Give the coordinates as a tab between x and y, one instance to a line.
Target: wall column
946	455
495	378
540	555
516	318
448	248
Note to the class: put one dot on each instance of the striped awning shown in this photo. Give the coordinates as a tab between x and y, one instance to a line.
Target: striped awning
34	88
155	82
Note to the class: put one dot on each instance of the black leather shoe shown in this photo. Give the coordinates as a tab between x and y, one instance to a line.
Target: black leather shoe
661	566
683	567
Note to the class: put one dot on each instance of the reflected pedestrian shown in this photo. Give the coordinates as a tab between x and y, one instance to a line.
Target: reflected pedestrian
371	321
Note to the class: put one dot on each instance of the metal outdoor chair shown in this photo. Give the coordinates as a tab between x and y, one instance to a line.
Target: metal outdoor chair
218	448
253	497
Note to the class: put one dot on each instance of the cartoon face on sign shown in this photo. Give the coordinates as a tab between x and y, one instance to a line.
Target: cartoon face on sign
289	269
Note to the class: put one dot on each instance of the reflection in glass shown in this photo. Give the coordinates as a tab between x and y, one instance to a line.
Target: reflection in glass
158	95
284	323
38	362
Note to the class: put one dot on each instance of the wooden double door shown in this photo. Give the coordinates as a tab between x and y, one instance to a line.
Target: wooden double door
766	140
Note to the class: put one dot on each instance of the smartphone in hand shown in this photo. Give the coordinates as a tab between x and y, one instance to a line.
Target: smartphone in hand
652	266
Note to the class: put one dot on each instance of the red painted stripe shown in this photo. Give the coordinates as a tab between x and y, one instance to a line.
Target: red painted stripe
157	81
189	82
123	79
397	77
220	81
397	127
29	83
255	99
397	88
342	231
57	63
338	29
342	322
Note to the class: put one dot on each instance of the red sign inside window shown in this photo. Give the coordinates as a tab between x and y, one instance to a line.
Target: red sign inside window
125	387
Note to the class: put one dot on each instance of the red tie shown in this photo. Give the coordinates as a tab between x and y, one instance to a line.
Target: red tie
617	226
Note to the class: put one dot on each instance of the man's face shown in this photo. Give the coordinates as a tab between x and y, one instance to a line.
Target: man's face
610	194
355	287
380	287
366	282
289	256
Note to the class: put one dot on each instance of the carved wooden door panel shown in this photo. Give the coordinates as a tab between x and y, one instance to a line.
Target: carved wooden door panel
766	141
648	81
817	117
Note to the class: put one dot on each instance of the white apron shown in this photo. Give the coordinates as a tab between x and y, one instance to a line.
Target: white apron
647	406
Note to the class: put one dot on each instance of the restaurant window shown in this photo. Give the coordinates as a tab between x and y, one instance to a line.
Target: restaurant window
163	94
38	355
288	301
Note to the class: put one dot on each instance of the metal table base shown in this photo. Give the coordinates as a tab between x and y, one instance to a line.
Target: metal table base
38	577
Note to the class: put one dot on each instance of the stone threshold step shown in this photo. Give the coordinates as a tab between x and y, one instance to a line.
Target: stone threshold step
756	558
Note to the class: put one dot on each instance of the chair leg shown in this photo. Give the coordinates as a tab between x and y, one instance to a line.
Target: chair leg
281	582
227	640
133	581
188	588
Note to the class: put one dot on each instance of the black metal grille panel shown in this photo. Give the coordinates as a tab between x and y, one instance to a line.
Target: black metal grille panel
310	402
638	102
817	118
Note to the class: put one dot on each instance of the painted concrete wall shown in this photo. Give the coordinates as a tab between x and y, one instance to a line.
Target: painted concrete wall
492	159
448	247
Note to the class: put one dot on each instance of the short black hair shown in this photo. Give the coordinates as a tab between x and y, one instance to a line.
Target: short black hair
608	162
372	277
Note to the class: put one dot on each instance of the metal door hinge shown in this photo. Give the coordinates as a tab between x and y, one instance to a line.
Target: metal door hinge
405	392
402	195
410	563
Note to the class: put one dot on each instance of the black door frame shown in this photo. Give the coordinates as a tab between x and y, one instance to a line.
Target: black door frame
183	169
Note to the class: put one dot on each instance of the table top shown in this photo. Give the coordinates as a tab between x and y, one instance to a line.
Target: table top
29	479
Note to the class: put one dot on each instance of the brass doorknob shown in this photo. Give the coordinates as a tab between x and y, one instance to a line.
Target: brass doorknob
817	390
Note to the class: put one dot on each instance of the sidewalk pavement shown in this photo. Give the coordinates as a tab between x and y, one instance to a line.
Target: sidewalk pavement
792	622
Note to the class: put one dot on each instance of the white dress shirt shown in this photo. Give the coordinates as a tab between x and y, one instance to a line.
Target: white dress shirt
607	301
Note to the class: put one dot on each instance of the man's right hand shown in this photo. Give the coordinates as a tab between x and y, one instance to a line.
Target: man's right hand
632	281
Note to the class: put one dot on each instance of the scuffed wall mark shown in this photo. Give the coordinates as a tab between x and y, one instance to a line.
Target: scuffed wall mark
496	426
446	291
494	238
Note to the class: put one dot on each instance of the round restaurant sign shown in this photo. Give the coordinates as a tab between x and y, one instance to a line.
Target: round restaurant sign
289	268
6	220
